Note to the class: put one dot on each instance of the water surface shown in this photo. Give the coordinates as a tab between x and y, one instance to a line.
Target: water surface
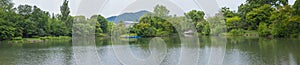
237	51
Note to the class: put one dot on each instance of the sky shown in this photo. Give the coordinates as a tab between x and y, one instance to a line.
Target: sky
109	8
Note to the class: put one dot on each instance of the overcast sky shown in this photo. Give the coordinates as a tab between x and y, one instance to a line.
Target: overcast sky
109	8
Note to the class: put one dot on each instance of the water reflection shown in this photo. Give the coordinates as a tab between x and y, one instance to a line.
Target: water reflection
239	51
52	52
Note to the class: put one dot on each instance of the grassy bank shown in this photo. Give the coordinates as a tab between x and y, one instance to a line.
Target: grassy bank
241	33
38	39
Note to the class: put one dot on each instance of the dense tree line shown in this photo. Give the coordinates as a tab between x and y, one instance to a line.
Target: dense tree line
274	18
160	23
30	21
154	24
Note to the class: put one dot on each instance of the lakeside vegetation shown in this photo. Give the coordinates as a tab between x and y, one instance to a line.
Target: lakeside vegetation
266	18
25	21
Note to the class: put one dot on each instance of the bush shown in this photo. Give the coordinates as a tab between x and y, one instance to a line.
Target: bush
237	32
17	38
44	38
263	30
54	38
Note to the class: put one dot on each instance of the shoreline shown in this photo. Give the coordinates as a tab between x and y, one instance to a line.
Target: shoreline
37	39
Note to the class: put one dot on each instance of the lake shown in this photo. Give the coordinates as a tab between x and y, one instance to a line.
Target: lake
172	51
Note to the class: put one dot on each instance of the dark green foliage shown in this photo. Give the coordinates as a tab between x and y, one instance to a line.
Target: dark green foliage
58	28
263	29
153	26
296	6
25	10
6	30
284	23
233	22
227	13
200	26
29	28
65	17
271	2
41	19
65	11
258	15
237	32
30	21
7	5
144	29
250	5
103	23
195	15
268	17
198	20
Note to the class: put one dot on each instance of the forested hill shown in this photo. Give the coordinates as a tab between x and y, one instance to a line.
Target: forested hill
127	16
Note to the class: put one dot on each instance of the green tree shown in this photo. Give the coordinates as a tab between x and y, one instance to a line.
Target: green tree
28	28
25	27
250	5
217	24
103	23
198	20
161	11
7	30
110	27
263	29
153	26
201	25
65	15
83	27
144	29
65	11
233	22
284	23
243	9
8	14
257	15
41	19
206	30
25	10
227	13
98	29
195	15
296	6
271	2
57	28
181	23
7	5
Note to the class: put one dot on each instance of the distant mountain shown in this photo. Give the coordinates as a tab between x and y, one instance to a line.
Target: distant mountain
127	16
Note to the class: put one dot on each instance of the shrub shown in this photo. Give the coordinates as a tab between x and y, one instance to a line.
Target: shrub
237	32
17	38
263	30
